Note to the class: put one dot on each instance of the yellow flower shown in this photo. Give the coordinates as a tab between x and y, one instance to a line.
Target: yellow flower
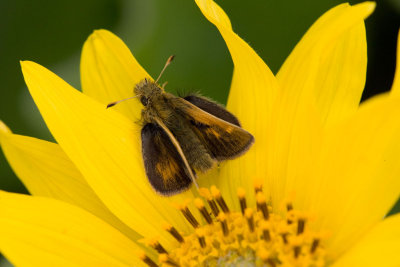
332	164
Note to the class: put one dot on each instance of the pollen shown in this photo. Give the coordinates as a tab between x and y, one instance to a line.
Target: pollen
251	236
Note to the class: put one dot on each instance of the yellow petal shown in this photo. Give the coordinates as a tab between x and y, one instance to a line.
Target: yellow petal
355	179
105	147
379	247
396	82
109	72
252	94
330	61
39	231
46	171
314	83
4	129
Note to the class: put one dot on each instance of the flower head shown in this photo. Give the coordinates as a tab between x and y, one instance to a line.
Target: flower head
311	192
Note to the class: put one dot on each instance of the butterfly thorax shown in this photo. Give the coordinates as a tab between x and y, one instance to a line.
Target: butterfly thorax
157	107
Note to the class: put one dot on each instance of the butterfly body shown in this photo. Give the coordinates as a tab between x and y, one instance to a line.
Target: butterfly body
183	136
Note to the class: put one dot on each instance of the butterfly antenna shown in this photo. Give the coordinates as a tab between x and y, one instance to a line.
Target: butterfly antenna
165	66
119	101
163	85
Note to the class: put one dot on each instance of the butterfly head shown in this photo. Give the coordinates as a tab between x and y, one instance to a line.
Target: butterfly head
146	90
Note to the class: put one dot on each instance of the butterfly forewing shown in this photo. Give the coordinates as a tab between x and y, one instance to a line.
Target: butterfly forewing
213	108
163	164
223	139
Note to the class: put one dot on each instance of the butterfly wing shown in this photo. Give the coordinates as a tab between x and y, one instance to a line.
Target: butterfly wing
223	139
213	108
163	164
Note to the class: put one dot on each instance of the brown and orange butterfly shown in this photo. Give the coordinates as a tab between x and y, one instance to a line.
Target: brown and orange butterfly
184	135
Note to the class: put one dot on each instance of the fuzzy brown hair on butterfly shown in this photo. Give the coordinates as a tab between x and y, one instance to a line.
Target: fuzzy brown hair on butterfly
182	136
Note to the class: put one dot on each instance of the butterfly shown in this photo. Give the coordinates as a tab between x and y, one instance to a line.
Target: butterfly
184	135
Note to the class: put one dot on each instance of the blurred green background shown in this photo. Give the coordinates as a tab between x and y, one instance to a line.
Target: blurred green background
52	33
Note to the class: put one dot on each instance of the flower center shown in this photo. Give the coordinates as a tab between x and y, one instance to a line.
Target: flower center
253	236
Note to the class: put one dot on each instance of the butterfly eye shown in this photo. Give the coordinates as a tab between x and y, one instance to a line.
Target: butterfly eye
144	100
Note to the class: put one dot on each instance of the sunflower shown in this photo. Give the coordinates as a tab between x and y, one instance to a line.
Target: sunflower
312	191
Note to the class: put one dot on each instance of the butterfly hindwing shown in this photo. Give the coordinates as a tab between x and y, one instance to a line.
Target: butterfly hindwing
223	139
163	164
213	108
